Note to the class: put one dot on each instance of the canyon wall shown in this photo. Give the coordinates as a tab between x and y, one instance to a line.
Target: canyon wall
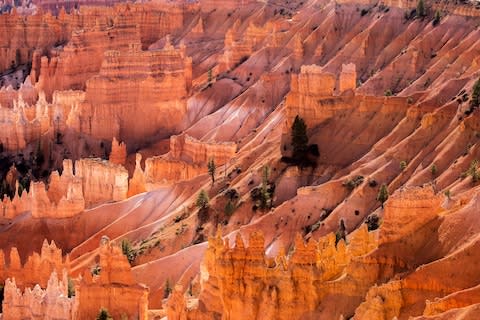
100	29
135	84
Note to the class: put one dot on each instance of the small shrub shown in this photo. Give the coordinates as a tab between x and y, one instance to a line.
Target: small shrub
388	93
167	289
433	170
71	288
382	194
95	270
372	183
403	165
421	9
103	315
202	200
475	101
447	193
353	183
229	208
341	232
436	19
211	169
372	222
128	251
473	171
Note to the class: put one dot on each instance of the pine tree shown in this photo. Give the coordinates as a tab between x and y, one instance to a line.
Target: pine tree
382	194
421	8
265	198
211	169
103	315
475	101
167	289
202	200
128	251
299	138
341	232
436	19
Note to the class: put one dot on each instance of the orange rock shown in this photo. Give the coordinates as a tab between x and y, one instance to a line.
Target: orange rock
114	289
118	155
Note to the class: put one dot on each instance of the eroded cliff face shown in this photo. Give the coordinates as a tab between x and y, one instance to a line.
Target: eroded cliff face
136	84
386	100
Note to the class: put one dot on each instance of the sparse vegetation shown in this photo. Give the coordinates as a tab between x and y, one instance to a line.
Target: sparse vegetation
421	9
202	205
71	288
475	101
372	222
388	93
1	297
437	18
299	138
303	154
128	250
473	171
353	183
403	165
212	168
95	270
433	170
229	208
447	194
167	289
202	200
341	232
104	315
262	196
382	194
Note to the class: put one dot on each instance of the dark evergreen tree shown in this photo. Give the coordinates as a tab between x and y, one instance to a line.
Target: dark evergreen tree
475	101
103	315
299	138
211	169
421	8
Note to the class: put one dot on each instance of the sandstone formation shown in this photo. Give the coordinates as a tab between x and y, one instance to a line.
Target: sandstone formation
114	289
36	270
51	303
159	84
95	181
242	283
118	155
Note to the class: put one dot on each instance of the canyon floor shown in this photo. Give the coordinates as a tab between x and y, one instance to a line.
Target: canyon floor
221	159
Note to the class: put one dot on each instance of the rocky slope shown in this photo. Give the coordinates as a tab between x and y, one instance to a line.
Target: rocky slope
163	88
